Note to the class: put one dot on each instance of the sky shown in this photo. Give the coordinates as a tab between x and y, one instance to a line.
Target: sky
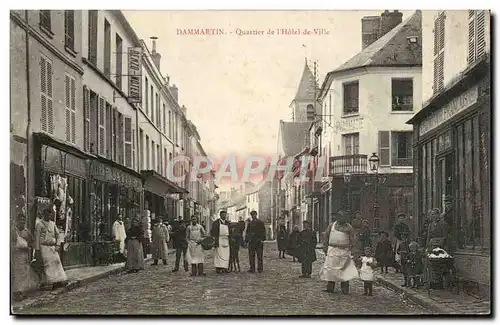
237	88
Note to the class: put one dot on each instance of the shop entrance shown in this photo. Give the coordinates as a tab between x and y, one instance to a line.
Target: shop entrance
444	171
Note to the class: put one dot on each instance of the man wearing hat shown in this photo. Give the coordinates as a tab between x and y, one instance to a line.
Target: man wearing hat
220	231
307	249
255	236
340	238
383	252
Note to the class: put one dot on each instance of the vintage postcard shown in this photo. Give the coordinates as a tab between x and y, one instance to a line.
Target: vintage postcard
258	163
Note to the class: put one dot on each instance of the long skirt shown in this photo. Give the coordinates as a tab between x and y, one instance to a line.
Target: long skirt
135	255
159	249
195	254
23	277
339	266
52	267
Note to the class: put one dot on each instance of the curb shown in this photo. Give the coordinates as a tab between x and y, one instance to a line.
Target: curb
69	287
417	298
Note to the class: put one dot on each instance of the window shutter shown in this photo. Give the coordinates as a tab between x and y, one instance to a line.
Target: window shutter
67	104
43	91
109	131
128	141
73	110
436	36
86	122
102	127
115	134
120	139
384	148
472	38
134	136
480	33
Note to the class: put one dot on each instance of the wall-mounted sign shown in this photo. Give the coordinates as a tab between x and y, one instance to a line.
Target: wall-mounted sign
134	75
455	106
348	124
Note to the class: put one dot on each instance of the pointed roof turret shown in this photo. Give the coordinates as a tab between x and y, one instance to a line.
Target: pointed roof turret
307	85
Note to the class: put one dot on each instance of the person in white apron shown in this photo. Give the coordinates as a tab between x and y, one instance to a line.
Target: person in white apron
195	254
119	233
220	232
339	267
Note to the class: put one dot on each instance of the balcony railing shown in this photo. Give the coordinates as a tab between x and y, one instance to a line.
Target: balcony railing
355	164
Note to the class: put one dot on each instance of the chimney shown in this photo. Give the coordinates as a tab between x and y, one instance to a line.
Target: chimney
184	109
389	20
155	55
370	28
175	92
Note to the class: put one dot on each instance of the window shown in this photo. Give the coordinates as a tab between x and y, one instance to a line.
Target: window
70	103
310	112
396	148
146	98
402	95
47	110
110	134
439	29
119	62
102	127
120	138
148	157
330	108
86	123
170	124
45	19
69	29
164	121
107	48
351	98
128	142
93	36
158	158
350	143
93	118
164	167
152	104
141	147
477	35
158	112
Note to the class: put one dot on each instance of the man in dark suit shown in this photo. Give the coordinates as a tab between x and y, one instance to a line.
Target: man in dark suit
255	236
180	244
221	233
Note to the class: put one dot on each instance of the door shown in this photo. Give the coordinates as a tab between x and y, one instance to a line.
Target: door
444	178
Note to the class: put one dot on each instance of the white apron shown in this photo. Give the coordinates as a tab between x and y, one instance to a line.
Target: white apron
119	234
339	266
221	255
366	272
194	254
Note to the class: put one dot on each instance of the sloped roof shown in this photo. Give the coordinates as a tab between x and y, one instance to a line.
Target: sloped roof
241	203
307	85
258	187
392	49
293	135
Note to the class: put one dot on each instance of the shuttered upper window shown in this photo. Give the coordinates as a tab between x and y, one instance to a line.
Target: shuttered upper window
92	55
128	142
70	107
69	29
395	148
101	135
439	35
46	101
86	121
477	35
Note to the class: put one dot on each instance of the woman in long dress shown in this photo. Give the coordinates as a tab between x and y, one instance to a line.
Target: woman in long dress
133	244
23	277
47	241
160	238
195	254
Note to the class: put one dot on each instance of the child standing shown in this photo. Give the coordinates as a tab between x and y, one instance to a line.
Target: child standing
366	273
307	249
383	252
414	265
293	242
234	249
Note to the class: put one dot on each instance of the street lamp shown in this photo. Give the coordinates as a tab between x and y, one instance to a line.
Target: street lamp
374	163
347	180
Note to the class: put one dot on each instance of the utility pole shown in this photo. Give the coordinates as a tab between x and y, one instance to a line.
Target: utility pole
314	123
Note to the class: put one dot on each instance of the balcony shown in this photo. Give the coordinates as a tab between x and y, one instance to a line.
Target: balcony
355	164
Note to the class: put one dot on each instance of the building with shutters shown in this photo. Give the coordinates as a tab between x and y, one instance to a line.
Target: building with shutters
452	134
47	157
365	105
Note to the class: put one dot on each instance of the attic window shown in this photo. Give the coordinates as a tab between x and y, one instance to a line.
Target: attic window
310	112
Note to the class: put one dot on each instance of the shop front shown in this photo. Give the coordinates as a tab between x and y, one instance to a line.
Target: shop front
157	194
61	174
452	168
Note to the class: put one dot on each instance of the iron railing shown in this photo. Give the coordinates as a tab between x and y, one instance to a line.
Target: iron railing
355	164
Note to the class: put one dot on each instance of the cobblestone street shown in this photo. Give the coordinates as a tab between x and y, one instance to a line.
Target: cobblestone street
277	291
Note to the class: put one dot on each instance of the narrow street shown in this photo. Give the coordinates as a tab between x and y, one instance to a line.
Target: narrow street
277	291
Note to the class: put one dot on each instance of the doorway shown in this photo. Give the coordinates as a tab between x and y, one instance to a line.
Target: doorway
444	177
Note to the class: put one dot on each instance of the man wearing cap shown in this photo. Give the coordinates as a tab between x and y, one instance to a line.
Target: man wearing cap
255	236
220	231
339	239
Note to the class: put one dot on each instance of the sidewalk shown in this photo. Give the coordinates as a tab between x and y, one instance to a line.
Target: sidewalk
77	277
439	301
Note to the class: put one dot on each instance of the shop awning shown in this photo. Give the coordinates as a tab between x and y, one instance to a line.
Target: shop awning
159	185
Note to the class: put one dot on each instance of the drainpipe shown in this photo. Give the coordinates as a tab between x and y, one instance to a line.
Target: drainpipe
28	125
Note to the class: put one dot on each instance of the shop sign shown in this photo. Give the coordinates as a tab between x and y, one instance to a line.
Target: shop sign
455	106
109	174
134	75
348	124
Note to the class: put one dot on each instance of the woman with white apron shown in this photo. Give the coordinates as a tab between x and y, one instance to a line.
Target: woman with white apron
339	266
195	254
